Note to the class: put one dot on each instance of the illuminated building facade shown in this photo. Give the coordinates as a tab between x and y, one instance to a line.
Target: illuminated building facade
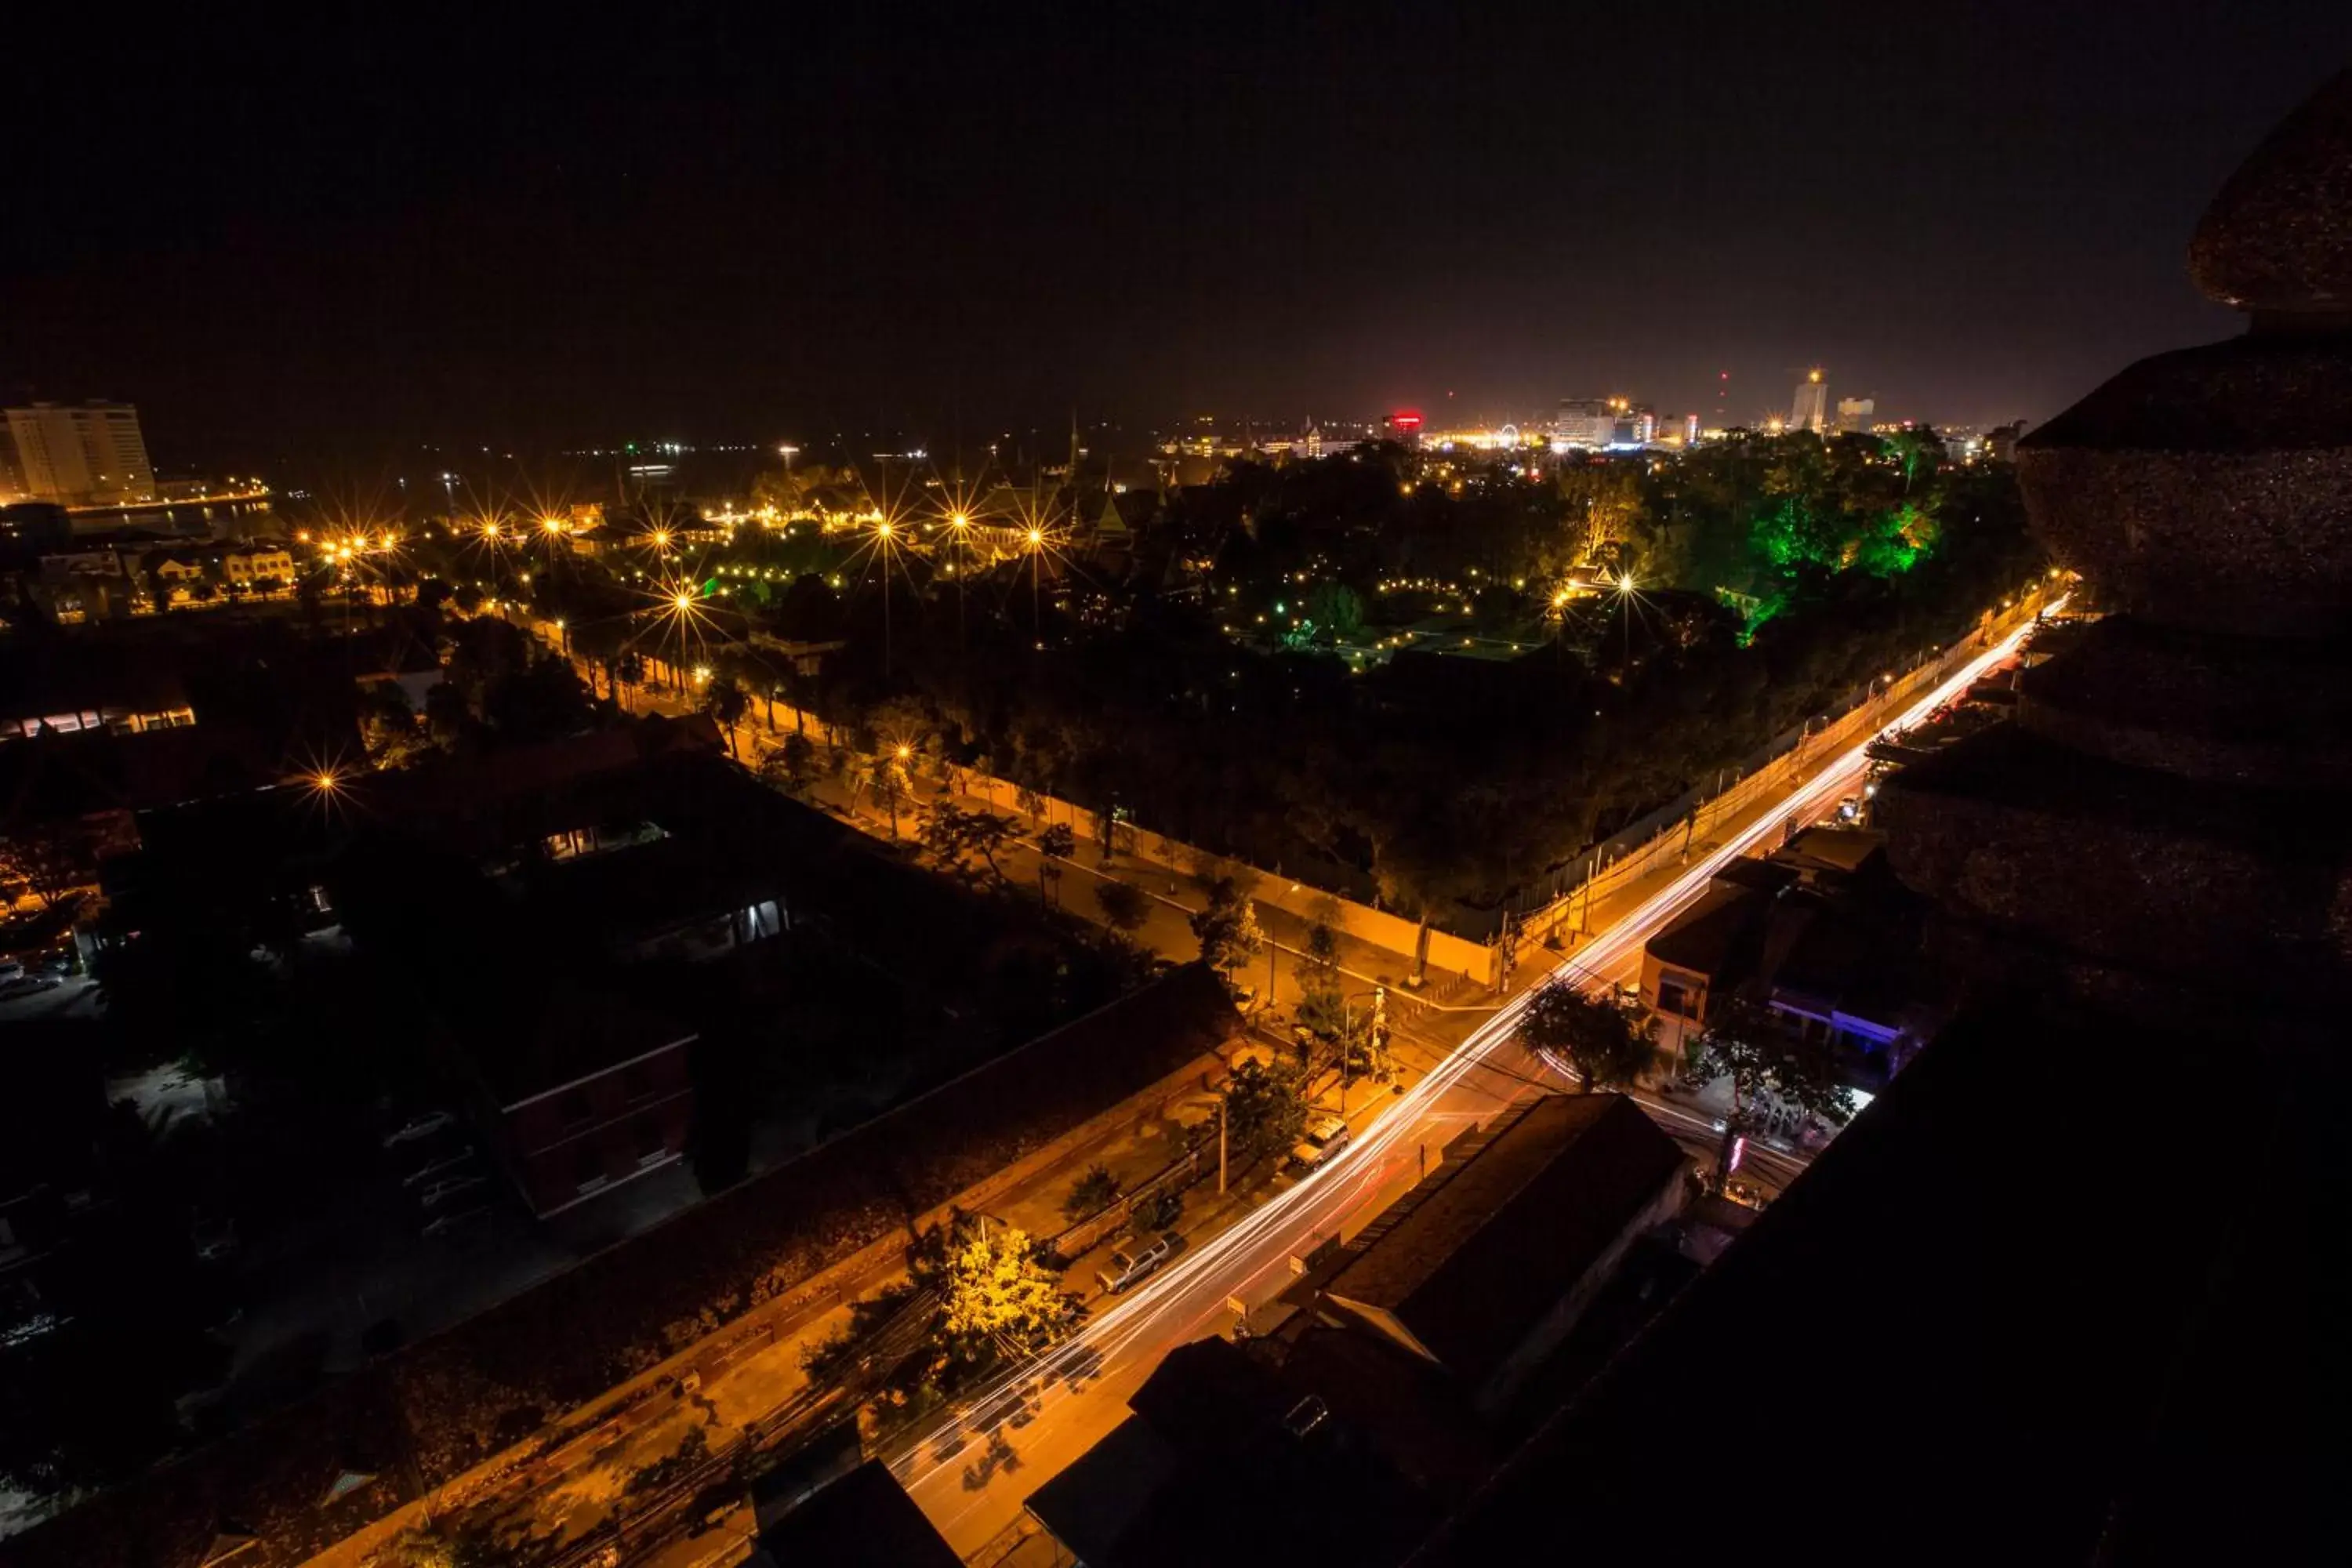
88	454
1587	422
1810	410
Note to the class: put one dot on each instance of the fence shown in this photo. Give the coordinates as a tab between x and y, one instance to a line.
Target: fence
1670	831
1691	821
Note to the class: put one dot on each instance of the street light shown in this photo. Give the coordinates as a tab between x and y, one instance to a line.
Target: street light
1036	549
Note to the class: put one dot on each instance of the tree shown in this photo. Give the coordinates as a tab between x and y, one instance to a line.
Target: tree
1318	958
1228	930
951	833
545	700
1599	1041
1265	1108
1090	1193
1768	1059
792	765
1336	612
889	777
53	857
944	829
1056	842
727	704
390	728
1123	905
995	1298
441	1546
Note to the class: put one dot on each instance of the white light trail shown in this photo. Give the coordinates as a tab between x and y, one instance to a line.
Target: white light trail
1293	1221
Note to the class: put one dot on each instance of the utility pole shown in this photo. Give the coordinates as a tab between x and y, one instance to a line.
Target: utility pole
1271	949
1221	1143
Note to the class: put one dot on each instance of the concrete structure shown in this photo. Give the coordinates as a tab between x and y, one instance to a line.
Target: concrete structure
1483	1268
1227	1461
1710	948
1854	415
598	1096
1811	409
88	454
1818	932
864	1519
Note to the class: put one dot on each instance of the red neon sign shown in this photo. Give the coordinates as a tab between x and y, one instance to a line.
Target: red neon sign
1406	420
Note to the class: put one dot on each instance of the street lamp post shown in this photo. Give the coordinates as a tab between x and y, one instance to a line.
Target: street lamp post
882	549
1037	548
961	565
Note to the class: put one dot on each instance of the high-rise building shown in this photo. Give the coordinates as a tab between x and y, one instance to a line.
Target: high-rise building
12	473
88	454
1587	422
1810	410
1853	414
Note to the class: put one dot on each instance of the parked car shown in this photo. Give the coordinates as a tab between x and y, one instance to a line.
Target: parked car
27	985
1129	1269
11	969
422	1125
441	1166
449	1187
214	1237
1326	1136
450	1224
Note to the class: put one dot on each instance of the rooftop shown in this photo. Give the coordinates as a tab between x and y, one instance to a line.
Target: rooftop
577	1035
1490	1243
864	1520
1710	937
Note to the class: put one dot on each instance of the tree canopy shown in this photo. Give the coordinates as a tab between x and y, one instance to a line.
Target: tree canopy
1600	1042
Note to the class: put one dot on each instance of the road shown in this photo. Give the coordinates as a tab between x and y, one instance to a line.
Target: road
972	1483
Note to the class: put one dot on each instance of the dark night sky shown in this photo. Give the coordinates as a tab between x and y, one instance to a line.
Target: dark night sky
354	227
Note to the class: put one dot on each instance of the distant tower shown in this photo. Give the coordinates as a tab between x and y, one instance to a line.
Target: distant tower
1811	409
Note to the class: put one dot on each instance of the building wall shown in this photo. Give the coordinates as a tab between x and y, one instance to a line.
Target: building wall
588	1137
1811	409
1495	1392
82	454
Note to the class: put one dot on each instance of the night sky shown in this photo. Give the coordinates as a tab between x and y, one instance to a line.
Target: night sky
354	231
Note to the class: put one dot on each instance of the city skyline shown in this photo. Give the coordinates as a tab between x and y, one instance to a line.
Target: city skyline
927	223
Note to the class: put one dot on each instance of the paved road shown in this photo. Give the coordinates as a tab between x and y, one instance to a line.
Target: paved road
972	1483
